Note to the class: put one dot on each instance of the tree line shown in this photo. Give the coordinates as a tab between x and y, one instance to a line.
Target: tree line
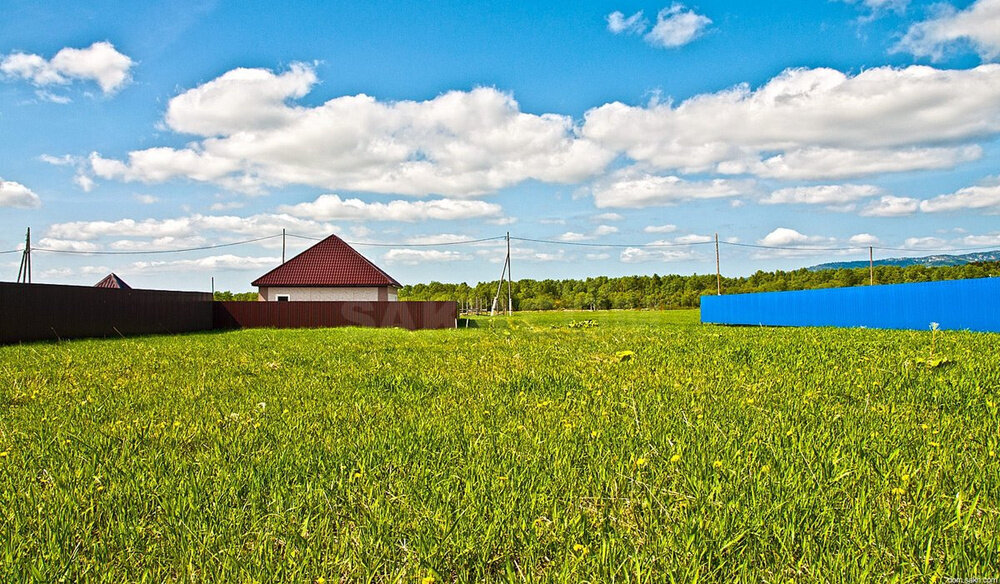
677	291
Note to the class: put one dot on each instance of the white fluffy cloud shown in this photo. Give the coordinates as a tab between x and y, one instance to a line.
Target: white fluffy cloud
864	239
813	123
66	244
879	7
599	231
637	255
804	124
332	207
790	243
100	62
461	143
977	25
14	194
898	5
985	197
572	236
835	197
659	228
891	206
981	240
214	263
241	100
926	243
694	238
837	163
423	256
785	237
618	23
634	189
438	238
253	226
677	26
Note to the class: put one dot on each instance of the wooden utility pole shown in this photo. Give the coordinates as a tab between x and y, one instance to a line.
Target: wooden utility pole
505	271
282	245
510	301
24	272
871	265
718	271
496	299
213	287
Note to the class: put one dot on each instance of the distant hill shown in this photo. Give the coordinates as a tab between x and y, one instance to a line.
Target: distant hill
931	261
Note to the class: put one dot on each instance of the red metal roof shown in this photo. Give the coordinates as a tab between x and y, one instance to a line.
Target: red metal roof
112	281
330	262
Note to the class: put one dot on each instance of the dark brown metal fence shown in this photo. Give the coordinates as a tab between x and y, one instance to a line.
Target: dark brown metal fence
408	315
35	312
32	312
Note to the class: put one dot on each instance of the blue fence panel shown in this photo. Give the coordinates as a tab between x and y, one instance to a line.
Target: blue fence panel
954	305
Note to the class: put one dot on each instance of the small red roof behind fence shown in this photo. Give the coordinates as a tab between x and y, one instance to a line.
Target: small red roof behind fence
330	262
112	281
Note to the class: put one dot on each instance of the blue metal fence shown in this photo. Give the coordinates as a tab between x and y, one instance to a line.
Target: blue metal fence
954	305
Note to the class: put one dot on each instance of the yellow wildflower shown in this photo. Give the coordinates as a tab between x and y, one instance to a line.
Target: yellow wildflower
675	458
641	462
427	580
717	464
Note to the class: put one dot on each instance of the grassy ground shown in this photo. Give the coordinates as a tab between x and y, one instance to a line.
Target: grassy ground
646	448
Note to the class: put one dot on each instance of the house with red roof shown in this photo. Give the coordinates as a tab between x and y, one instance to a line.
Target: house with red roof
329	270
112	280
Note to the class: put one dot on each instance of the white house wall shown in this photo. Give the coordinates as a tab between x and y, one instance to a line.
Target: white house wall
296	293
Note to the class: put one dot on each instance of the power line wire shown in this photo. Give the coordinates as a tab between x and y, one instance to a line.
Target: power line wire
941	249
156	251
372	244
792	248
501	237
623	245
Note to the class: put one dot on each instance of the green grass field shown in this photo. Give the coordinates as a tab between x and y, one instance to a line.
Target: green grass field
647	448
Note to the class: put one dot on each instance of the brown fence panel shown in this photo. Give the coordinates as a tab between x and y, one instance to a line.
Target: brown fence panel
32	312
408	315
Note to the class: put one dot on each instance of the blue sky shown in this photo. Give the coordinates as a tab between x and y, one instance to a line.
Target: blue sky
643	127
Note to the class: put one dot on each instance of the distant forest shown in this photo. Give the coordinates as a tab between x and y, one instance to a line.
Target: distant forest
674	291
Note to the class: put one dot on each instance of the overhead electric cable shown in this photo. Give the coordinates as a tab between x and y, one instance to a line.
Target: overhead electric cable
587	244
372	244
155	251
793	248
940	249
